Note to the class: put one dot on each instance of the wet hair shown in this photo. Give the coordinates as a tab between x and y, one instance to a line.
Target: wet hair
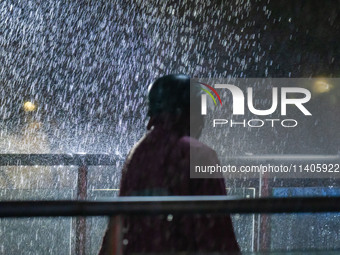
169	94
173	96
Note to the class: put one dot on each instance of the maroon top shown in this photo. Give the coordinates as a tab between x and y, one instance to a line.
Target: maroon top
159	165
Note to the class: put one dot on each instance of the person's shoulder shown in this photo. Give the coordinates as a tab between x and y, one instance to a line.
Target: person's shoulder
190	143
137	148
198	153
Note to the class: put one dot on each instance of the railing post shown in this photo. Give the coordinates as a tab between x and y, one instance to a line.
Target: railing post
265	228
81	221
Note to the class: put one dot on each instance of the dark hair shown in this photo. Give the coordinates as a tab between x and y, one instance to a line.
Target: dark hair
173	96
169	94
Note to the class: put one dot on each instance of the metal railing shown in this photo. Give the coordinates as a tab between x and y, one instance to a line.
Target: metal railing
57	159
152	205
169	205
80	160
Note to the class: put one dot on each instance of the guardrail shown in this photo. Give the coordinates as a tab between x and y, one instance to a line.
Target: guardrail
80	160
162	205
169	205
57	159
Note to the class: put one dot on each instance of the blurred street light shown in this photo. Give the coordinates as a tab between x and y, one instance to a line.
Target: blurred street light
29	106
321	86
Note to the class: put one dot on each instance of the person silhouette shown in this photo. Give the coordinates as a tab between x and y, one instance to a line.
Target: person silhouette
159	165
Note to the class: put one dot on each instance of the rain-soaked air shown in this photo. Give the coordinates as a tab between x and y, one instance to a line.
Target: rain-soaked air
177	127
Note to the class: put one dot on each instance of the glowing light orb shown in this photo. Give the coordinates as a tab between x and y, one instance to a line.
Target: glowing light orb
321	86
29	107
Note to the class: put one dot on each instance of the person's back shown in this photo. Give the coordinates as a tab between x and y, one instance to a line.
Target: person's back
159	165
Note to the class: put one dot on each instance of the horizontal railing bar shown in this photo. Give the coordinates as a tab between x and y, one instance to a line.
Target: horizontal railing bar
58	159
169	205
287	158
109	159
